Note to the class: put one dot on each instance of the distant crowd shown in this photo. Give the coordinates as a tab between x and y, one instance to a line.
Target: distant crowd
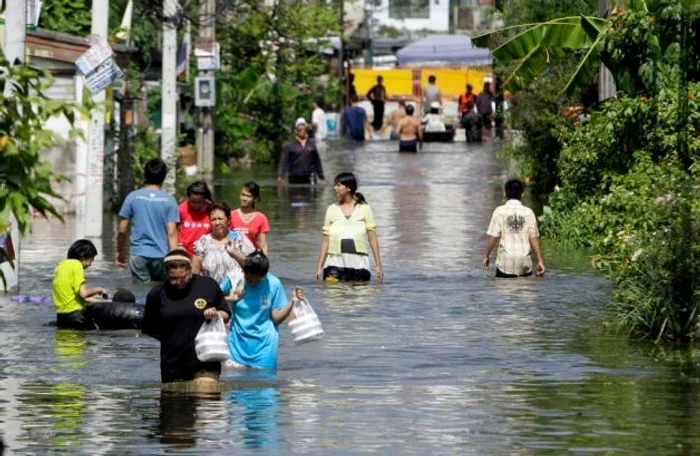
476	113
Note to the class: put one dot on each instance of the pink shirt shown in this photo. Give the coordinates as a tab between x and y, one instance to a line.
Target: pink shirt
256	226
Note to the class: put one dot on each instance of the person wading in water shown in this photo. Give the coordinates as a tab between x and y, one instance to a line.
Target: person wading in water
410	134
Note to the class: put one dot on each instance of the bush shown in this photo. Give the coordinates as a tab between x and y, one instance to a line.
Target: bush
628	195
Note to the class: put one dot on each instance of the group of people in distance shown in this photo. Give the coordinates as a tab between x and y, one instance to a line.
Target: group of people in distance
475	113
207	262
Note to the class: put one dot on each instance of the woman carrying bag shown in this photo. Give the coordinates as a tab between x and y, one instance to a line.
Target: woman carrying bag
175	312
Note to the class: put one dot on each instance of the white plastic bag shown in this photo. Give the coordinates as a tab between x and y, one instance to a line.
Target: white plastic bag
305	325
237	278
211	343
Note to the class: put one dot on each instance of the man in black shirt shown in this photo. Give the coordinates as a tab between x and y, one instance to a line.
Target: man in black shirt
300	159
377	95
175	311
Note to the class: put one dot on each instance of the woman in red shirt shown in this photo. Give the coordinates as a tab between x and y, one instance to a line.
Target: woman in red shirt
247	220
194	215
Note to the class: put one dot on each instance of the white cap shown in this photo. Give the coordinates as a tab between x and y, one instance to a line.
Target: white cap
435	105
300	121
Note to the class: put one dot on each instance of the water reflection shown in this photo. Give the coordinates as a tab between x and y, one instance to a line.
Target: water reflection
409	216
66	399
183	417
298	204
349	297
69	348
255	416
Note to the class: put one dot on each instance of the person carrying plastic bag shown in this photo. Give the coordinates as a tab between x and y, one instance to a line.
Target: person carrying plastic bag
211	343
304	322
254	336
174	314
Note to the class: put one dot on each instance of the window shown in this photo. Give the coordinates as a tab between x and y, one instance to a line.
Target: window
409	9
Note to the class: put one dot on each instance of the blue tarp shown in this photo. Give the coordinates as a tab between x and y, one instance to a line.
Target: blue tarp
444	50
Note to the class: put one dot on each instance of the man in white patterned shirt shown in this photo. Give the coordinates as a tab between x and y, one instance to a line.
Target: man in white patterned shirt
514	229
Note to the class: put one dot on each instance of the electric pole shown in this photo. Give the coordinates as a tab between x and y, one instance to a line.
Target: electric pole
16	31
341	62
606	82
205	131
94	192
369	52
168	136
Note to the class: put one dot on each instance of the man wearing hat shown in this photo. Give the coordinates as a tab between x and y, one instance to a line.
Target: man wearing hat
300	159
175	311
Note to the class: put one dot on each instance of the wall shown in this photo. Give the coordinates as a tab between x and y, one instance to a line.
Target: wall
62	156
439	19
401	82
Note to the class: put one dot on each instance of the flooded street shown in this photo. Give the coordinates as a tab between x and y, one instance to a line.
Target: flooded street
441	359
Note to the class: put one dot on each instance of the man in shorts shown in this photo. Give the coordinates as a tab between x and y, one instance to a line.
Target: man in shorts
410	134
153	216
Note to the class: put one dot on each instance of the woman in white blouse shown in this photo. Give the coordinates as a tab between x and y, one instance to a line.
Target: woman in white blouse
211	252
348	227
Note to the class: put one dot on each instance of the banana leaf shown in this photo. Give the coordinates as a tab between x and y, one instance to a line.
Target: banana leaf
533	46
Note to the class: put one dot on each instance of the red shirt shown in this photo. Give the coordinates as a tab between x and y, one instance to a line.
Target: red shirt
193	225
464	99
256	226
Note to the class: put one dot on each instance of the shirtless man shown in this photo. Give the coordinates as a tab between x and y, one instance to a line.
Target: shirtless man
393	122
410	135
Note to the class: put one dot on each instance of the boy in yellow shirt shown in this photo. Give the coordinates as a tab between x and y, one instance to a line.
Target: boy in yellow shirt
70	292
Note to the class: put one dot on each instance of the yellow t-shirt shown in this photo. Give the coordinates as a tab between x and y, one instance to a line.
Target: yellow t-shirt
358	224
68	277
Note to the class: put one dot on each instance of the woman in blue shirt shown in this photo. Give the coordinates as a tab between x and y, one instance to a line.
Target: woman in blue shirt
256	316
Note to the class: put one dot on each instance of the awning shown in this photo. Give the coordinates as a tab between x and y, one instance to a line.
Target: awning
444	50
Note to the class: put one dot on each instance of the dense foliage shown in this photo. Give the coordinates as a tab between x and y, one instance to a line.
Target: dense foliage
630	176
625	177
272	70
272	66
67	16
536	111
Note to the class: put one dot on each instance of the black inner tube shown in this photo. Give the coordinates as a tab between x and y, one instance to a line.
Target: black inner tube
116	315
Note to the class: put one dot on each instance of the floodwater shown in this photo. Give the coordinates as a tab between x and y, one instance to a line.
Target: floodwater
441	359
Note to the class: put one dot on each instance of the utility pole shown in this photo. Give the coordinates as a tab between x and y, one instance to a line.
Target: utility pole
168	137
341	62
606	82
92	169
369	52
16	31
205	131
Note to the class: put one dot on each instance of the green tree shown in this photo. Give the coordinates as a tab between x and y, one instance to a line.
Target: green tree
631	175
536	110
272	67
25	180
67	16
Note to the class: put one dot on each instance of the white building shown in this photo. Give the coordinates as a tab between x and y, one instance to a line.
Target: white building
413	14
